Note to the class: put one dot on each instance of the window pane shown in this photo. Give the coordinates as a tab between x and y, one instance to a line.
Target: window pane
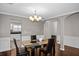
15	28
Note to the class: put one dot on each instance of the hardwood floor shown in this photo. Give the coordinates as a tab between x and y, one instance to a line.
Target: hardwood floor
8	53
5	53
68	51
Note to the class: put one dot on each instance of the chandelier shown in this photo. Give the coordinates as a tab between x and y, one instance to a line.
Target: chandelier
35	17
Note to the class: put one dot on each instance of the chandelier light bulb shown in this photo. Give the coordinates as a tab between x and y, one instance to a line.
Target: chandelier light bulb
31	18
40	17
35	16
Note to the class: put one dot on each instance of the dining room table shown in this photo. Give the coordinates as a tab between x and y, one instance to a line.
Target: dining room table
34	46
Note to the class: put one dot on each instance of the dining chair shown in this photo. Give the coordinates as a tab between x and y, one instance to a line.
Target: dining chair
54	37
51	45
33	39
18	53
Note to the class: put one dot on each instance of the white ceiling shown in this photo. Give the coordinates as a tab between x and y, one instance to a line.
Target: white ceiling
46	10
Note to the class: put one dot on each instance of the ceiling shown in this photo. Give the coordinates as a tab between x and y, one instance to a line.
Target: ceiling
46	10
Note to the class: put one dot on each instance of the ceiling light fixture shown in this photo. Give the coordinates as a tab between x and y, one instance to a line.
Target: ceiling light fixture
35	17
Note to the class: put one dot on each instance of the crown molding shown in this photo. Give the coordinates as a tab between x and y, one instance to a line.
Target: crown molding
5	13
43	19
64	14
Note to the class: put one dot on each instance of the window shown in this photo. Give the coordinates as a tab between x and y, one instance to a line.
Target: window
15	28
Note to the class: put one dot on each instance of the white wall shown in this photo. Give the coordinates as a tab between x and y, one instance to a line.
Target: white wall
4	33
72	25
4	26
72	41
28	28
4	43
50	28
31	28
71	30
